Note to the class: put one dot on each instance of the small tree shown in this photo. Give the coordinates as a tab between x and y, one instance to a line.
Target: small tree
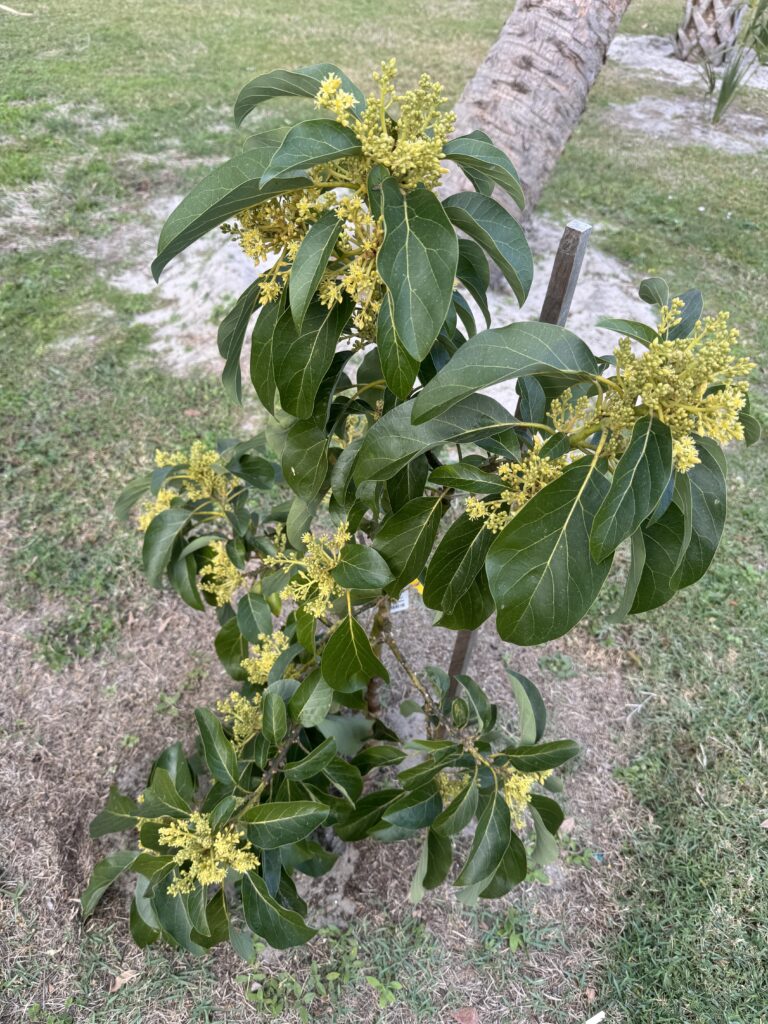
367	359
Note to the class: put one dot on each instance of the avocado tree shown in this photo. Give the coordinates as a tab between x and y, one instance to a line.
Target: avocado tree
383	463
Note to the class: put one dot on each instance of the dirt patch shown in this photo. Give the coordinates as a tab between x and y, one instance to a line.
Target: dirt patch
656	55
686	122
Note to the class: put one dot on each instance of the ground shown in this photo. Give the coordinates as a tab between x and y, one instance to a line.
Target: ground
653	912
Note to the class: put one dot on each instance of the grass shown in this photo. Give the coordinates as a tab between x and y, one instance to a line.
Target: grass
102	109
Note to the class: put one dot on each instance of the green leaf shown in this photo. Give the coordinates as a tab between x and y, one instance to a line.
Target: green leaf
476	153
408	483
182	573
232	649
379	756
629	329
305	459
145	928
541	757
345	777
104	874
279	823
177	915
231	336
531	712
546	851
489	224
499	354
634	575
639	481
510	872
310	263
472	608
132	492
433	866
162	533
708	508
752	428
416	808
665	542
275	717
119	814
456	563
315	761
348	660
312	701
218	751
361	568
281	928
465	476
474	274
489	844
397	365
405	539
302	356
226	191
254	617
654	291
417	262
693	303
161	798
540	572
394	441
319	141
263	355
304	81
459	812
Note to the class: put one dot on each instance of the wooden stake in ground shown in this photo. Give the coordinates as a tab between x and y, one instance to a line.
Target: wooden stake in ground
557	305
532	87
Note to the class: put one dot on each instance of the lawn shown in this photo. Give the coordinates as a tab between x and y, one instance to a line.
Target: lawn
106	109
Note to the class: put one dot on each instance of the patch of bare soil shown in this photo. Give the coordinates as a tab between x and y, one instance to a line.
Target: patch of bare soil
656	55
685	122
65	736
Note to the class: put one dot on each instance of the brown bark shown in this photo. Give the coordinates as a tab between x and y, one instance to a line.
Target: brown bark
532	88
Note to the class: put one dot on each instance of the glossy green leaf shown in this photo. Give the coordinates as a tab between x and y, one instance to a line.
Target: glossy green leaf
279	823
348	660
405	539
312	701
417	262
540	571
130	495
254	617
120	814
489	844
473	272
232	649
302	356
531	712
476	153
665	542
159	539
274	717
394	441
226	191
311	262
639	481
280	927
305	459
416	808
304	81
459	812
231	336
397	365
500	354
319	141
693	304
379	756
263	354
361	568
629	329
433	865
708	509
541	757
489	224
104	874
511	871
457	561
315	761
161	798
654	291
145	928
466	476
218	751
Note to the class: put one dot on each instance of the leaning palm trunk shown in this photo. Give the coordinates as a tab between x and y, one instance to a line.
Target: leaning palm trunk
709	30
532	87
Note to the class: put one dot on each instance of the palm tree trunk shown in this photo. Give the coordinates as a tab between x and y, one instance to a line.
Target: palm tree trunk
532	88
709	29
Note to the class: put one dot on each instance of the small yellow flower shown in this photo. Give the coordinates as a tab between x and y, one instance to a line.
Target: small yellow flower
265	653
313	587
242	714
154	507
220	577
516	789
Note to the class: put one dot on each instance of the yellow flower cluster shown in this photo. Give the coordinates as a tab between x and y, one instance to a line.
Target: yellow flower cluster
154	506
313	587
242	714
516	789
265	654
695	385
203	855
220	577
411	148
523	480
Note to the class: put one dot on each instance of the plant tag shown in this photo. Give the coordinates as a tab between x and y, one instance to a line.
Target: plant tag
402	603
